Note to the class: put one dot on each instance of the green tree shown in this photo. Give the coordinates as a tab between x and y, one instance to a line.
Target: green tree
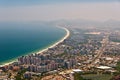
77	76
19	75
118	67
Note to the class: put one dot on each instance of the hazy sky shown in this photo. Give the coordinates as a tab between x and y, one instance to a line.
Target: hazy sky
33	10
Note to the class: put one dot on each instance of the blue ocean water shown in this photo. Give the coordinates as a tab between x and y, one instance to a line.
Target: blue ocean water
17	39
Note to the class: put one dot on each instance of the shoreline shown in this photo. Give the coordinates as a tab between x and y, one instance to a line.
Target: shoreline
45	49
58	42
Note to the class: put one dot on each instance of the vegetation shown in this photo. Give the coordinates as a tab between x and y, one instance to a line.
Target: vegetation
97	77
118	67
91	76
115	40
60	55
19	75
117	74
77	76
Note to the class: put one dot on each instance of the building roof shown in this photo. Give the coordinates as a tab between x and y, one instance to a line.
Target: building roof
77	70
103	67
108	58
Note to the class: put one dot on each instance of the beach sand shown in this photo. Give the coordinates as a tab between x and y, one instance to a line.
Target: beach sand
52	46
44	50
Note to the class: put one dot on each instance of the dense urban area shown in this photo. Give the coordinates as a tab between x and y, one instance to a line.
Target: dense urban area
91	52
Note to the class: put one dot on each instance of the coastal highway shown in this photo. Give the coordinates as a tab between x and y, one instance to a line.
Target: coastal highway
100	51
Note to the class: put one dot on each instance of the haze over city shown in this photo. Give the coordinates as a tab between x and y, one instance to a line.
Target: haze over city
24	10
59	39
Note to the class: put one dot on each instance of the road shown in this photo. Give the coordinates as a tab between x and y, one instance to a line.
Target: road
100	51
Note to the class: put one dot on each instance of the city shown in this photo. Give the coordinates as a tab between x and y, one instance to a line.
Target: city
59	40
88	50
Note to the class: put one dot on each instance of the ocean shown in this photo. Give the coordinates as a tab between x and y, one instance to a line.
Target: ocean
18	39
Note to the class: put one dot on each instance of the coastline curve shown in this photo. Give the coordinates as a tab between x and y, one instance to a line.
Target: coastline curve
45	49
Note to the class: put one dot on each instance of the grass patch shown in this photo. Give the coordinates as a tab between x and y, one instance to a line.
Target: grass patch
97	77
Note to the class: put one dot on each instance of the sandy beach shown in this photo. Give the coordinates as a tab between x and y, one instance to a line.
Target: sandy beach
52	46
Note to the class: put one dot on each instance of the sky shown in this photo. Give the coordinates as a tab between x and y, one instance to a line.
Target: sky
47	10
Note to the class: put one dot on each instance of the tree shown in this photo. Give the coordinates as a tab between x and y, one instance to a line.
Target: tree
77	76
